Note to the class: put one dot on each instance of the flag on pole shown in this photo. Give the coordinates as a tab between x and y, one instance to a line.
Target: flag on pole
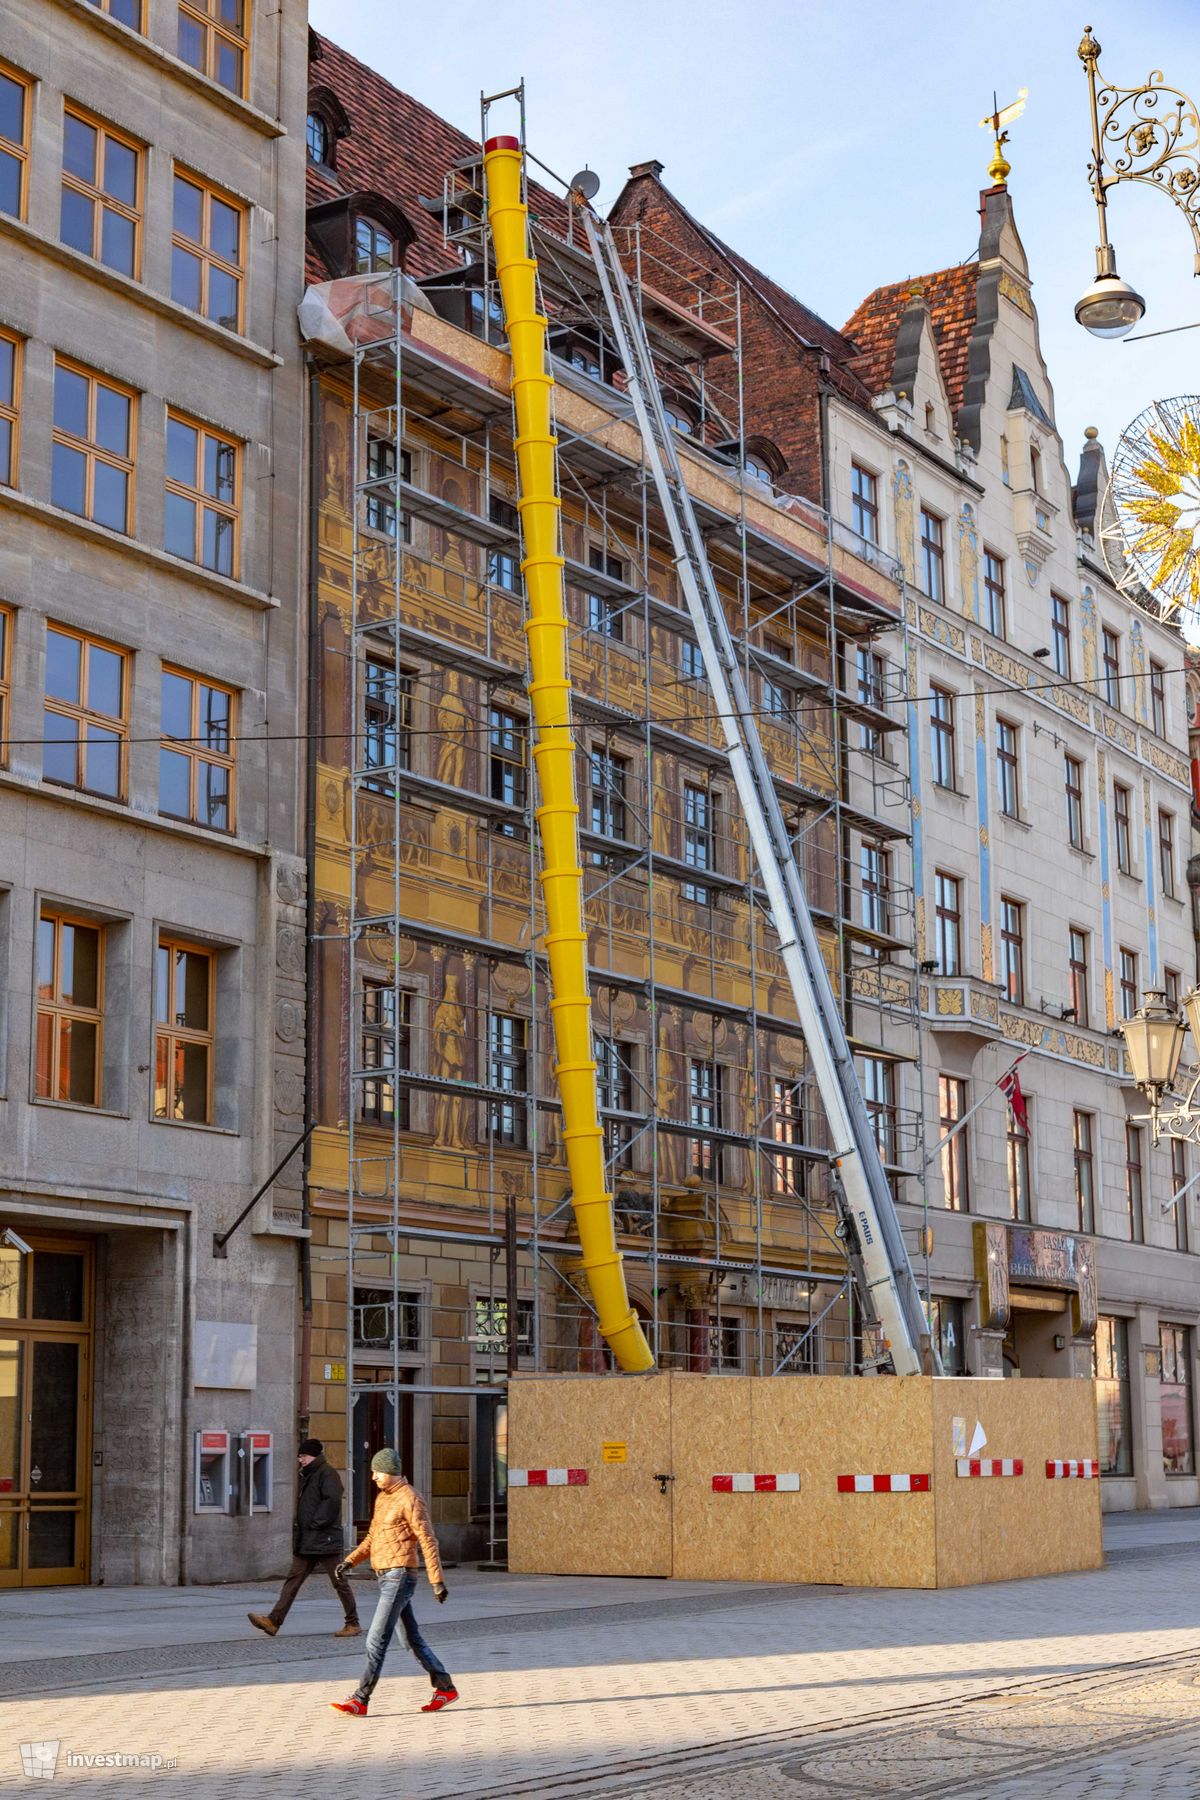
1010	1086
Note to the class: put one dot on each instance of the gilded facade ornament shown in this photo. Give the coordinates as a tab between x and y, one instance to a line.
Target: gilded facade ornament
902	507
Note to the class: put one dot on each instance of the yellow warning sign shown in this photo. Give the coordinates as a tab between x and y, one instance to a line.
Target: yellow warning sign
614	1452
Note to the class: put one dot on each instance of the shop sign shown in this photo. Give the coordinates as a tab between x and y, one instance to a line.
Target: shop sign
773	1290
1045	1257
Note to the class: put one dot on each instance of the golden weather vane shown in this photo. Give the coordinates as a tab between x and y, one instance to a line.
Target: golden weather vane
995	121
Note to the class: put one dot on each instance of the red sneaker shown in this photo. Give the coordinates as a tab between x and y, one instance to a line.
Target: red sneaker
354	1706
442	1697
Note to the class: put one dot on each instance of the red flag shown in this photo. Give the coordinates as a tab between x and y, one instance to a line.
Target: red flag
1010	1086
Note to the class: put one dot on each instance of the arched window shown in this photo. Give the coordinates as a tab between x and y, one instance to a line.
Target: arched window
318	136
755	466
374	248
678	420
1035	468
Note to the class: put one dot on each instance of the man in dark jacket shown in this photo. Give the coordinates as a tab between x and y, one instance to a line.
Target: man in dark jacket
317	1541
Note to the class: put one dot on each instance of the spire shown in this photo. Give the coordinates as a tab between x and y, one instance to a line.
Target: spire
1000	168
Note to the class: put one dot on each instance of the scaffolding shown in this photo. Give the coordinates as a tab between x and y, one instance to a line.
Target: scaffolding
715	1144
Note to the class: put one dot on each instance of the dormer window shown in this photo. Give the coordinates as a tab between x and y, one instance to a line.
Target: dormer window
374	248
678	421
319	138
754	466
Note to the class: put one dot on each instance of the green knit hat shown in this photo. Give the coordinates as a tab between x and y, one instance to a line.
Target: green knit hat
385	1462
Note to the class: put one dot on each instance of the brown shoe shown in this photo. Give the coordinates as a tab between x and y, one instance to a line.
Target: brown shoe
264	1623
351	1628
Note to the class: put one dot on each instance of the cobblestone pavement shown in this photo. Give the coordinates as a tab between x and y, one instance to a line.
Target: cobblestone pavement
1062	1686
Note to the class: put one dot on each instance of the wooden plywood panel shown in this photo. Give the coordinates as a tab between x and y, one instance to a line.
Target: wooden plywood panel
1003	1527
826	1426
711	1435
620	1523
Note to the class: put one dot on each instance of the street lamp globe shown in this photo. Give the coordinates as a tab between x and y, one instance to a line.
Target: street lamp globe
1109	307
1154	1042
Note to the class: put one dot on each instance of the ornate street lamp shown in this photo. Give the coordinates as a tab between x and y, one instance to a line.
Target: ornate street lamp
1151	134
1154	1039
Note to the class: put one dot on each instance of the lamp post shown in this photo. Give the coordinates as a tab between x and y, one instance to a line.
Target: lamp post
1151	134
1154	1040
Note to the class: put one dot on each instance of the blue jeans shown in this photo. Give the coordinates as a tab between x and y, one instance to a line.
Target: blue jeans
396	1587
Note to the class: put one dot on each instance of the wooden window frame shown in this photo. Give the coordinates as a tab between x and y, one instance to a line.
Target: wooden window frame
1083	1144
1127	981
1060	627
1012	949
92	452
953	1105
788	1179
1110	666
943	737
105	6
173	1035
1158	698
882	1109
215	32
10	410
1073	793
377	232
933	555
875	870
379	1034
98	196
386	719
614	1093
1166	852
1123	827
699	829
57	1010
947	919
995	588
508	1072
83	714
381	513
20	151
1079	972
864	502
1135	1183
204	501
201	248
706	1097
1171	980
1020	1173
197	752
507	751
1179	1175
1008	768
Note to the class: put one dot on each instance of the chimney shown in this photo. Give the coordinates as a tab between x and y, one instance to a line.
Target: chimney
653	169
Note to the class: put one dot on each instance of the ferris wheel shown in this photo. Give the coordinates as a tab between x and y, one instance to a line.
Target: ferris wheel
1150	530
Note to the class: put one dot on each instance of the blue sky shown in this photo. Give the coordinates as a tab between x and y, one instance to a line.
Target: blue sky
838	146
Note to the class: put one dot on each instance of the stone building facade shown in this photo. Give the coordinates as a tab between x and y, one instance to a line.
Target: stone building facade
152	885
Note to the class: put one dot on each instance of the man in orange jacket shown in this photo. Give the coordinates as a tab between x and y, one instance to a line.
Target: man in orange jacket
400	1524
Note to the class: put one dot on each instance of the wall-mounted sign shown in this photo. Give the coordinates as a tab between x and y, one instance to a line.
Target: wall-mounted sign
614	1453
773	1290
1018	1254
335	1371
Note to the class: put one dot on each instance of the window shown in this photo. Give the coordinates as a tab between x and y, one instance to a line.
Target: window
387	1315
1175	1394
678	421
1073	785
1121	823
606	612
387	723
614	1091
1077	965
933	562
1060	626
196	760
607	774
316	133
1158	698
864	503
203	495
374	248
778	701
952	1106
14	142
1133	1184
787	1128
704	1095
1129	984
1110	1365
947	913
1179	1176
101	205
874	864
1008	783
129	12
507	1071
995	605
1012	949
5	680
691	663
381	514
698	839
1110	663
184	982
387	1046
879	1091
1020	1192
869	669
214	37
1085	1170
755	466
85	729
507	765
504	566
1171	987
586	358
10	405
1166	852
942	737
208	251
91	470
69	1010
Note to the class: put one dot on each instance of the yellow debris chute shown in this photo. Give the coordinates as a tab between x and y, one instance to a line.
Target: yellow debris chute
554	755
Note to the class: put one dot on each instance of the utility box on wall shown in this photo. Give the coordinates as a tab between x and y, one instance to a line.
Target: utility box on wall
211	1485
256	1471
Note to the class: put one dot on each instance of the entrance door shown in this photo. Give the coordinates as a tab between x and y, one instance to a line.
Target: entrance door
45	1391
374	1428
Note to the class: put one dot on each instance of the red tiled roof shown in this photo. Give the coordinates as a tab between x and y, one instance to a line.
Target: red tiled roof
949	295
398	148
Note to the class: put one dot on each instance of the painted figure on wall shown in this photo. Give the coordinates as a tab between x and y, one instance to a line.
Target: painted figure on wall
968	562
452	732
902	506
449	1060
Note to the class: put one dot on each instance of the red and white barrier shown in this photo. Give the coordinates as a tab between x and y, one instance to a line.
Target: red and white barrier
547	1478
990	1465
1073	1471
883	1484
756	1484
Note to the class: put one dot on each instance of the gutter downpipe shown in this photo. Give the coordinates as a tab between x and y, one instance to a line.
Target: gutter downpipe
310	898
